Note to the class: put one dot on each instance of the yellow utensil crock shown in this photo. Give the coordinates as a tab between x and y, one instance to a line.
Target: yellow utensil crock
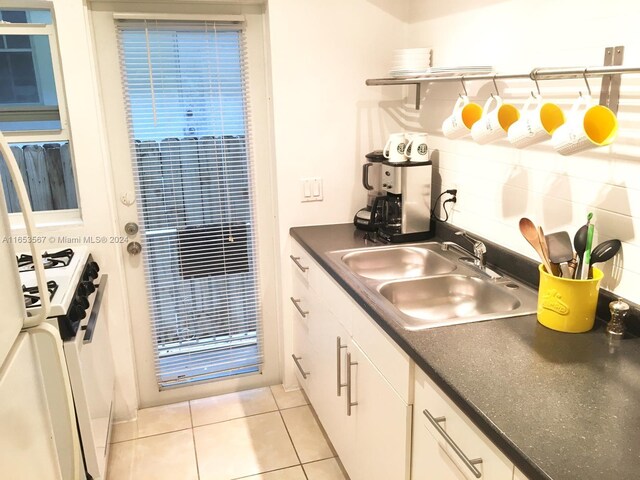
568	305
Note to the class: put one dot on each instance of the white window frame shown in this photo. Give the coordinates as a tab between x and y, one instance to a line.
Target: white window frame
50	218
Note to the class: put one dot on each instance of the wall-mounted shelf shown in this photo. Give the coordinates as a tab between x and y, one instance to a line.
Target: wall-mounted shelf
609	93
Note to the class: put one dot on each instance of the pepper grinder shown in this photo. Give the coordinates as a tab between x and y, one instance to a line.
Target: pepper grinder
619	310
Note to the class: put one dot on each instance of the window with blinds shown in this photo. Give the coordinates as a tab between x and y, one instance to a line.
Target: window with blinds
186	92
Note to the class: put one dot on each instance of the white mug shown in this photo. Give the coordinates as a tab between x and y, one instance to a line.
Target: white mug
464	115
588	126
395	147
494	123
417	150
535	125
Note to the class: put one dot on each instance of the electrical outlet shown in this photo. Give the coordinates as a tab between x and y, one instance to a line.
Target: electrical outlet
311	189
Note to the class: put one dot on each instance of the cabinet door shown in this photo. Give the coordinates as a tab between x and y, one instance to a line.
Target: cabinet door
383	424
331	342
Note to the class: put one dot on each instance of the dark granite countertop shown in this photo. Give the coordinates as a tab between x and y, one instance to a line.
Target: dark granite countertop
560	406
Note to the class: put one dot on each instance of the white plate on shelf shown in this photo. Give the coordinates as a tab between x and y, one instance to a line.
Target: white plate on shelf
461	70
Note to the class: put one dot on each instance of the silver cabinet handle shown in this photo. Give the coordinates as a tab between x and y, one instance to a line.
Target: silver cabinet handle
339	383
349	402
299	265
470	464
297	362
296	303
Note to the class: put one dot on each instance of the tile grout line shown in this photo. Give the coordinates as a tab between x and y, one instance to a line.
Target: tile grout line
152	435
268	471
235	418
293	444
193	437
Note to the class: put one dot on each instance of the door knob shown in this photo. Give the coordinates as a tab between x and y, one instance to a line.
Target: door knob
134	248
131	228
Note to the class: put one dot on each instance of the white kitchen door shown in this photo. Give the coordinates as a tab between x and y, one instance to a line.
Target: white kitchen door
190	159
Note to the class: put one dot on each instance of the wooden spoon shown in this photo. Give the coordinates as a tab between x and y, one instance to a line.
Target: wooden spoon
530	233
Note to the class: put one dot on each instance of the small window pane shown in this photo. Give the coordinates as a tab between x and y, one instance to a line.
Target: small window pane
18	41
14	16
28	98
48	175
26	16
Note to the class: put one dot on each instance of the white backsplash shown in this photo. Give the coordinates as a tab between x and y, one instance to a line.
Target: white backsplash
498	184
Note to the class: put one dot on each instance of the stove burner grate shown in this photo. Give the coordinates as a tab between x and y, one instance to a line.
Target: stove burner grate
32	295
58	259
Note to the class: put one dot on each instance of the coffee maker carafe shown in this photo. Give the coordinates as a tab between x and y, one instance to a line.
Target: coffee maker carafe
406	207
369	217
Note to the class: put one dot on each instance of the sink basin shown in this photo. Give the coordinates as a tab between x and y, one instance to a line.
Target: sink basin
439	299
430	284
397	262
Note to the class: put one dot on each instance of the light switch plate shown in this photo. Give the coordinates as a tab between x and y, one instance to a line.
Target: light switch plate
311	189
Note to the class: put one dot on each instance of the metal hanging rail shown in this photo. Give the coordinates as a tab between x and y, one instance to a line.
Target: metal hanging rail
535	74
611	69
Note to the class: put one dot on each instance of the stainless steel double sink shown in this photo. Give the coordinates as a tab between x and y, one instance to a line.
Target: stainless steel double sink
434	284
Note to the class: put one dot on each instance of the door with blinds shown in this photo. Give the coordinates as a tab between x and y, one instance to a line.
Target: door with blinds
187	99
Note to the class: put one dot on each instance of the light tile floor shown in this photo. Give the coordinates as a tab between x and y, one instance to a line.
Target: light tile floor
261	434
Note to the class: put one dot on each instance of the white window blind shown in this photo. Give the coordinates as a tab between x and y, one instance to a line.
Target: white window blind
185	86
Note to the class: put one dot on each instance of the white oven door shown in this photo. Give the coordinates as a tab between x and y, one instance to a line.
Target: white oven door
91	372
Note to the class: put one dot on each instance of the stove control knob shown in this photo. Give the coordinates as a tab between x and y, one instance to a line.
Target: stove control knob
82	302
76	313
91	273
86	288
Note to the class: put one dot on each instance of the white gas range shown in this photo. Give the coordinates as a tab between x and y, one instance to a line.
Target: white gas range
77	293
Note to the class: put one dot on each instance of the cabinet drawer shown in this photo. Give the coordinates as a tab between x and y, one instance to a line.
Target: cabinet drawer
338	301
430	460
465	441
302	356
304	269
392	362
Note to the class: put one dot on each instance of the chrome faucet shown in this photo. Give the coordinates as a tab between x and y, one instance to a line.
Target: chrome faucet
479	249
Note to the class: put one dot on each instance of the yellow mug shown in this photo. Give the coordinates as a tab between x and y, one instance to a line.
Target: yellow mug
588	126
568	305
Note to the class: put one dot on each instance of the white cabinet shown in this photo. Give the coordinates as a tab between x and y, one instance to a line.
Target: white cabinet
447	445
373	436
382	422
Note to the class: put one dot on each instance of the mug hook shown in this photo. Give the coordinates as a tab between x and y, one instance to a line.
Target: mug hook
464	87
584	75
534	76
495	85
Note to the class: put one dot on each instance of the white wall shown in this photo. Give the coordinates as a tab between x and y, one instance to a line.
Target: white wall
498	184
325	118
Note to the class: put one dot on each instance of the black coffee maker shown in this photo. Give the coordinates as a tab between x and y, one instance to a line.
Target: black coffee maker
369	218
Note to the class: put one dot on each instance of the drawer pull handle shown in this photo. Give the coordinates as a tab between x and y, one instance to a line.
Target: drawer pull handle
339	384
297	362
298	264
349	402
296	303
470	464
